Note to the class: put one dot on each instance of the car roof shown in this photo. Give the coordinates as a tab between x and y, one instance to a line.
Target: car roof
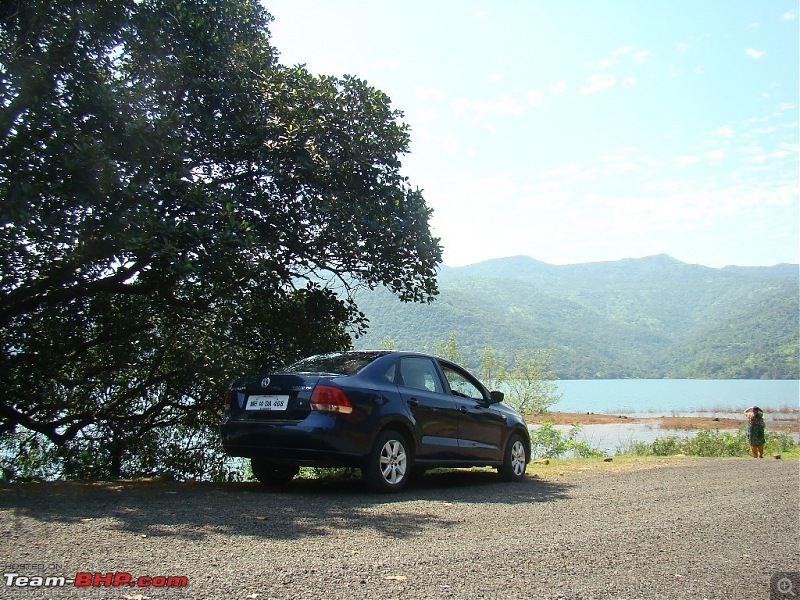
398	353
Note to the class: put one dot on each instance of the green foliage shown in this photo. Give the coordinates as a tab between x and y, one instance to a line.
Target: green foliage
170	198
529	383
547	442
330	473
489	371
387	343
710	443
449	349
27	458
653	317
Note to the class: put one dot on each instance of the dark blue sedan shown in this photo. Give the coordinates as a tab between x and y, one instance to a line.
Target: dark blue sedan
390	414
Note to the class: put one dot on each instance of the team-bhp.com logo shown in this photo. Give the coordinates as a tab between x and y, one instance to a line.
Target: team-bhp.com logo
112	579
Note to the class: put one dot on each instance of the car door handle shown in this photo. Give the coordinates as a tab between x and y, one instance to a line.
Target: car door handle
463	409
413	402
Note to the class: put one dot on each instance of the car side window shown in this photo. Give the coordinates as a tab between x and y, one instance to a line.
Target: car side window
393	373
420	374
460	385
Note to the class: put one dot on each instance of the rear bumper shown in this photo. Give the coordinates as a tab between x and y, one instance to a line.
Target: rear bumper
319	442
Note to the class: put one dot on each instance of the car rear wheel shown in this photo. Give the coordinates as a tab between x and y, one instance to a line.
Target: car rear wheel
515	460
271	474
388	468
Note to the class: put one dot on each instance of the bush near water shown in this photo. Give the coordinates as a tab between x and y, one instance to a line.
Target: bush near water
712	443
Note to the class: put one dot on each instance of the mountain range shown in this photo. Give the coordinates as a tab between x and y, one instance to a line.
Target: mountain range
652	317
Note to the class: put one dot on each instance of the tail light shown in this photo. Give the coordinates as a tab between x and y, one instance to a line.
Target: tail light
327	398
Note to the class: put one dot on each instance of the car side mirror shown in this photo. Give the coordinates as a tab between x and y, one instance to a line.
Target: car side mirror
497	397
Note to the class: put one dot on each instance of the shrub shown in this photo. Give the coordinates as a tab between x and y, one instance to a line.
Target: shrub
710	443
666	446
547	442
779	441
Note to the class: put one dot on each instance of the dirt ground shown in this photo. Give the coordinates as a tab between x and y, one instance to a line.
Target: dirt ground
681	531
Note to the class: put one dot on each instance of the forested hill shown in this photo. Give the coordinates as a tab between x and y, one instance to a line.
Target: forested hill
652	317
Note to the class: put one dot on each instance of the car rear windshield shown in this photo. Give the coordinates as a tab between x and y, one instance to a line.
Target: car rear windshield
339	363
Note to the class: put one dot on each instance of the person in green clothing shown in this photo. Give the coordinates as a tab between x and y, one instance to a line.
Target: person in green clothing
755	431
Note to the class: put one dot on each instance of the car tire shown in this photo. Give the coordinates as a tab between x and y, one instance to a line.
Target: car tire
515	459
270	474
388	468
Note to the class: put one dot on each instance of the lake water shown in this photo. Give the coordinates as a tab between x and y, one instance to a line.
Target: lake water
668	397
676	397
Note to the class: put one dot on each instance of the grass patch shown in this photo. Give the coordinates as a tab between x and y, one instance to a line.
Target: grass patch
562	467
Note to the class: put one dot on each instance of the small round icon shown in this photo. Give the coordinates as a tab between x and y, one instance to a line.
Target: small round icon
786	587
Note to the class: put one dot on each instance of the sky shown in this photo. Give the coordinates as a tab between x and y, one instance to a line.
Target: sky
576	131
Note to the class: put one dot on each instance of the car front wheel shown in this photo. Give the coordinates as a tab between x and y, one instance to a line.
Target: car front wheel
515	460
388	468
271	474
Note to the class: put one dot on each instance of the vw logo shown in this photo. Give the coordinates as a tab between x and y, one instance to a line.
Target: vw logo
265	382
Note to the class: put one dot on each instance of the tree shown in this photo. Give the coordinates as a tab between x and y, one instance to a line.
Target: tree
530	381
489	369
449	349
387	343
173	201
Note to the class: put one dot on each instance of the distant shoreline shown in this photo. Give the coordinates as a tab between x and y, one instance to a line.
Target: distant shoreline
785	421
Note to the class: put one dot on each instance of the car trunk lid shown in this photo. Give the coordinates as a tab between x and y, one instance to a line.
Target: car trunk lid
272	397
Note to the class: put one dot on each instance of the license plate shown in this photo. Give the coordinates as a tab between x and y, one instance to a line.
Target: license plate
267	402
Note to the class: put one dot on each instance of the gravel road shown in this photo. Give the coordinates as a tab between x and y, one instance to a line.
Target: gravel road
691	528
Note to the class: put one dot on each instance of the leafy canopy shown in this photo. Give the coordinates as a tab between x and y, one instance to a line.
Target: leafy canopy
172	200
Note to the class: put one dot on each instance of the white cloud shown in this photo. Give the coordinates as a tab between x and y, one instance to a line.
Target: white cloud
615	69
725	131
447	143
754	54
623	50
778	154
616	164
598	83
637	56
559	87
429	93
698	69
480	109
765	130
535	97
789	16
753	154
685	161
572	172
